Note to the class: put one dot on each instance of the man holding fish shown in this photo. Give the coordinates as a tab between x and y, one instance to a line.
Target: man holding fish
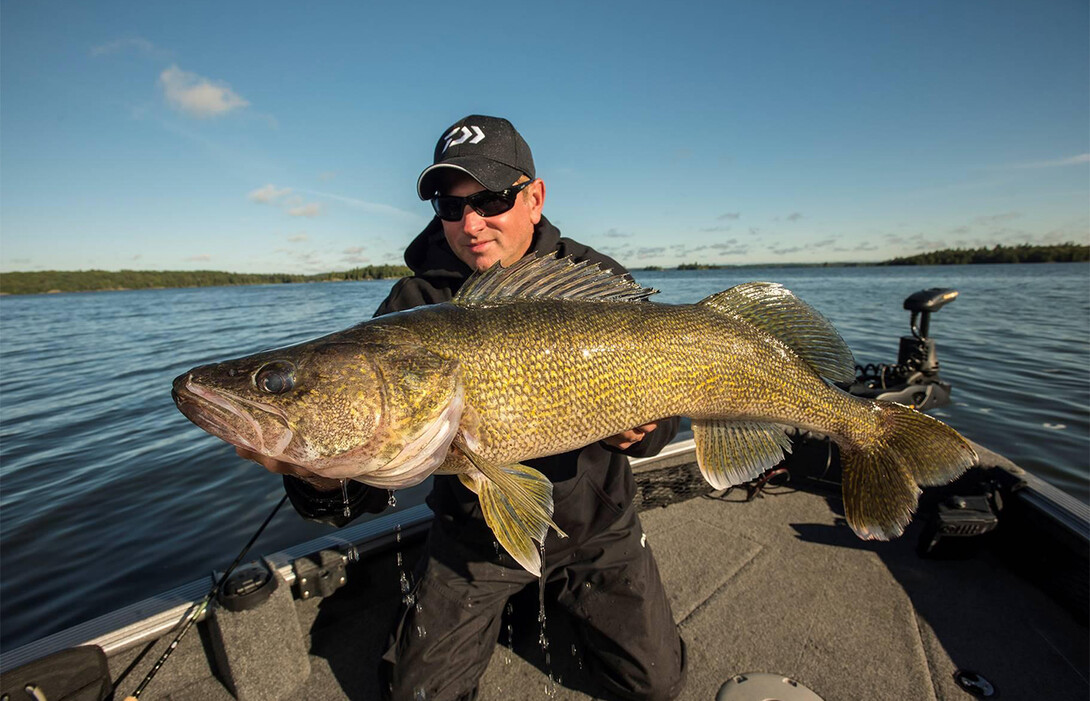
488	205
514	366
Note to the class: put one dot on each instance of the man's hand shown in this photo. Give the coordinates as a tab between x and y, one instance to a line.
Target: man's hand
286	468
624	441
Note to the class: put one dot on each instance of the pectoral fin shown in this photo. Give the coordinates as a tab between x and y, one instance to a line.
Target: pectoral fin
517	502
732	452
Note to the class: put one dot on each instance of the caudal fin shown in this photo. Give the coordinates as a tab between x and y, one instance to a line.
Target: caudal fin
517	502
883	476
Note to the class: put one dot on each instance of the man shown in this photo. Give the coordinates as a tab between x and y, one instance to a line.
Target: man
488	203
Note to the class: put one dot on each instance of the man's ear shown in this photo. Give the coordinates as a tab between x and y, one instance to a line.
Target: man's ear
535	194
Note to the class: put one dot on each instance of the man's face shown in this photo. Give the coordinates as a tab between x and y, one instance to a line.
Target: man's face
482	241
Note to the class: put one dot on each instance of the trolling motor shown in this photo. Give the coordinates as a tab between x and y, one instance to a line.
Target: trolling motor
914	380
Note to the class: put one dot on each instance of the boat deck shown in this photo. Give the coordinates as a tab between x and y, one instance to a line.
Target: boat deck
779	584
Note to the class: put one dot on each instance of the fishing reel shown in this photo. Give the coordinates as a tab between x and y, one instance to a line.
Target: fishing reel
914	380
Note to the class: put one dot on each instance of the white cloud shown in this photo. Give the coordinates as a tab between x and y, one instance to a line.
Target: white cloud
1057	163
203	258
297	238
311	209
197	96
369	207
268	193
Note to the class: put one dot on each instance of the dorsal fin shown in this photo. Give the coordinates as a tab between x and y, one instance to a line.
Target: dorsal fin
772	308
548	277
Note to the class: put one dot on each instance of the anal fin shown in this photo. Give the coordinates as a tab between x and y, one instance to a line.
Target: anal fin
517	502
733	452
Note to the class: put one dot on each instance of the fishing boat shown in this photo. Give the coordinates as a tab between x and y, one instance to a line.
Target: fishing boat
985	595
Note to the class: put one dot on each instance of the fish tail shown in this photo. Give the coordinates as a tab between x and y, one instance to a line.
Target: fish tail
517	502
882	474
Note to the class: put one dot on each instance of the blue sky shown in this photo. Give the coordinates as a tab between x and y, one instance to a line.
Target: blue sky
280	137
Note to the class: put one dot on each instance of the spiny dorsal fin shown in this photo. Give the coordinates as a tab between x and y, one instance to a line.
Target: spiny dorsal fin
774	309
549	277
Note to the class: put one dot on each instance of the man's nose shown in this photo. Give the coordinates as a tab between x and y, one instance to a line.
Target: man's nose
471	221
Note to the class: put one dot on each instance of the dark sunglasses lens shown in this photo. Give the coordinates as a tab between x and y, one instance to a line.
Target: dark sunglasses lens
486	204
489	204
448	208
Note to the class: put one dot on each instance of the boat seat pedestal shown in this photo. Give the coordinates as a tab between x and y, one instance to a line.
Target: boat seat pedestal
259	650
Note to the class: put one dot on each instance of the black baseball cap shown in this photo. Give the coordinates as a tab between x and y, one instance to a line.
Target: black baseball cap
488	149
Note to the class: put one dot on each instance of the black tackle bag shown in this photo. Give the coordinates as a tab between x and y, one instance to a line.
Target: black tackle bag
74	674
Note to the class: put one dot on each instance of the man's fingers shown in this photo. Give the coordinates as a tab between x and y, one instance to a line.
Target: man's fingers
272	464
286	468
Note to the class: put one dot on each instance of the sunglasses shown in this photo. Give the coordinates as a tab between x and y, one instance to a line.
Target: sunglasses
487	203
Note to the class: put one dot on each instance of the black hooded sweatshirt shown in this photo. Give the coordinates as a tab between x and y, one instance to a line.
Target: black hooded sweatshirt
592	486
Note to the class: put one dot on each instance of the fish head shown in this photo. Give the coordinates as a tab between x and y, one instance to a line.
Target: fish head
350	405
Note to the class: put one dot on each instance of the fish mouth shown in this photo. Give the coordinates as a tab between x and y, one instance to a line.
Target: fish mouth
225	416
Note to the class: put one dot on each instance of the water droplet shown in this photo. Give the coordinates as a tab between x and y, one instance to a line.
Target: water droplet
344	495
392	501
421	632
543	638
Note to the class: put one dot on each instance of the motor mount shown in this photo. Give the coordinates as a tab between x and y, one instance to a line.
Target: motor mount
914	380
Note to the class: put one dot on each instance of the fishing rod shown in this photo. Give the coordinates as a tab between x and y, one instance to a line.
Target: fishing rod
192	618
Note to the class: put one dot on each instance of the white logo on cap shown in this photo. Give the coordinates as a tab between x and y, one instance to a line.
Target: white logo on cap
465	132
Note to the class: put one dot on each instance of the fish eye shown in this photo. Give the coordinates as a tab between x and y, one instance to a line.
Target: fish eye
276	377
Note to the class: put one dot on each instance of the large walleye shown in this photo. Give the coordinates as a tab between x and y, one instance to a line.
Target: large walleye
547	356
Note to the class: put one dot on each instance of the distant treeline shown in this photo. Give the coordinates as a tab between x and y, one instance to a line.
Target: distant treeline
1024	253
92	280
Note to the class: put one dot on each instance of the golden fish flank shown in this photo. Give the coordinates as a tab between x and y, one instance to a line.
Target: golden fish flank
548	356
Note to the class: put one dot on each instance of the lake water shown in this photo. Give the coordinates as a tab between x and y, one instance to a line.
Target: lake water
108	494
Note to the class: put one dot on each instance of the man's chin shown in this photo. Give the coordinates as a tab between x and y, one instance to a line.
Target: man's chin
484	262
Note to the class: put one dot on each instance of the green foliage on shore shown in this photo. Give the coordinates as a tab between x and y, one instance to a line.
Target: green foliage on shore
1023	253
96	280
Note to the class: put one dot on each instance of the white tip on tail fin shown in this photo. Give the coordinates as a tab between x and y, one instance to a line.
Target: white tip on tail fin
517	502
882	479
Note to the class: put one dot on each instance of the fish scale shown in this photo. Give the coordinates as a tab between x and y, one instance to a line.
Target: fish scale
598	368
